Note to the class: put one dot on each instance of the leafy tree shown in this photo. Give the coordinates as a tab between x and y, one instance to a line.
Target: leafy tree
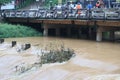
47	2
118	0
2	2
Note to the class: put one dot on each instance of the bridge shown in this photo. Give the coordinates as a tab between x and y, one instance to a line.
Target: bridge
101	20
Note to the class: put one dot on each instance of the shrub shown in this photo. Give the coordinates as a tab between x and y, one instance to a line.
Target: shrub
56	54
50	53
24	3
8	30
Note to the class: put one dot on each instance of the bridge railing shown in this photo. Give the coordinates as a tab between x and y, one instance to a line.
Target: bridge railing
95	13
112	13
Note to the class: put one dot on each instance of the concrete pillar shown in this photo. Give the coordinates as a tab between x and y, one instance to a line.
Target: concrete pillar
68	32
99	34
112	35
57	32
90	33
45	32
79	32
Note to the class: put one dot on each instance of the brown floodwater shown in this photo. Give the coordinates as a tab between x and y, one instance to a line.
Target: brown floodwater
93	60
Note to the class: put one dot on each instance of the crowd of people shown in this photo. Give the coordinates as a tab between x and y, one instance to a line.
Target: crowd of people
99	4
71	6
77	5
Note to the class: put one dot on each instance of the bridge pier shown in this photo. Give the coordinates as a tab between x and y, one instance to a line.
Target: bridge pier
68	32
69	27
45	32
90	33
112	35
57	32
99	34
79	33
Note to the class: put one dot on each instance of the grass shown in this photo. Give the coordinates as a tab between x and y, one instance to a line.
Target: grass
9	30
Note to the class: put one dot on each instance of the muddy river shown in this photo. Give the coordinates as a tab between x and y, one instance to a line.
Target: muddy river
93	60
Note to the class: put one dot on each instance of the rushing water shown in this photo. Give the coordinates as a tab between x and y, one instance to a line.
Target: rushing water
93	60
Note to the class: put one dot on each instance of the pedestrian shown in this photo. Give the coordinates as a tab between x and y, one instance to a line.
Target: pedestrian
71	7
78	7
89	7
97	4
100	4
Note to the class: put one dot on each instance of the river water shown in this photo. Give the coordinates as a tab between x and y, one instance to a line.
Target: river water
93	61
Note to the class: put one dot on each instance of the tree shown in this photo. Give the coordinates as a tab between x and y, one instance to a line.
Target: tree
118	0
2	2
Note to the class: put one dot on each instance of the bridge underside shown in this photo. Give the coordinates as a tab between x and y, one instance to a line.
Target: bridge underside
107	23
94	27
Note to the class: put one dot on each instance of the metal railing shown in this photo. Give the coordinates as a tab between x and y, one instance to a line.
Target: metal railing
95	13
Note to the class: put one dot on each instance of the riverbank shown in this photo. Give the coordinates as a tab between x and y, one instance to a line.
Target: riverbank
93	60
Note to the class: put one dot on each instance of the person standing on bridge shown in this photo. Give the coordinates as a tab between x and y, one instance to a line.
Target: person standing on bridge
100	4
89	7
78	7
71	7
97	4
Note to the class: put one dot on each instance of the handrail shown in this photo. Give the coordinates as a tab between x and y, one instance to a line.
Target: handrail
95	13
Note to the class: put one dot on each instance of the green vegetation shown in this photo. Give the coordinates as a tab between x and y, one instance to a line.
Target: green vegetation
24	3
52	2
57	56
8	30
118	0
56	53
53	52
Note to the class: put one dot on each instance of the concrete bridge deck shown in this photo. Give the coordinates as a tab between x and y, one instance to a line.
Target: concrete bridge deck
104	23
100	25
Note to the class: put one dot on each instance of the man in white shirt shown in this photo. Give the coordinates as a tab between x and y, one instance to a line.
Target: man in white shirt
71	6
